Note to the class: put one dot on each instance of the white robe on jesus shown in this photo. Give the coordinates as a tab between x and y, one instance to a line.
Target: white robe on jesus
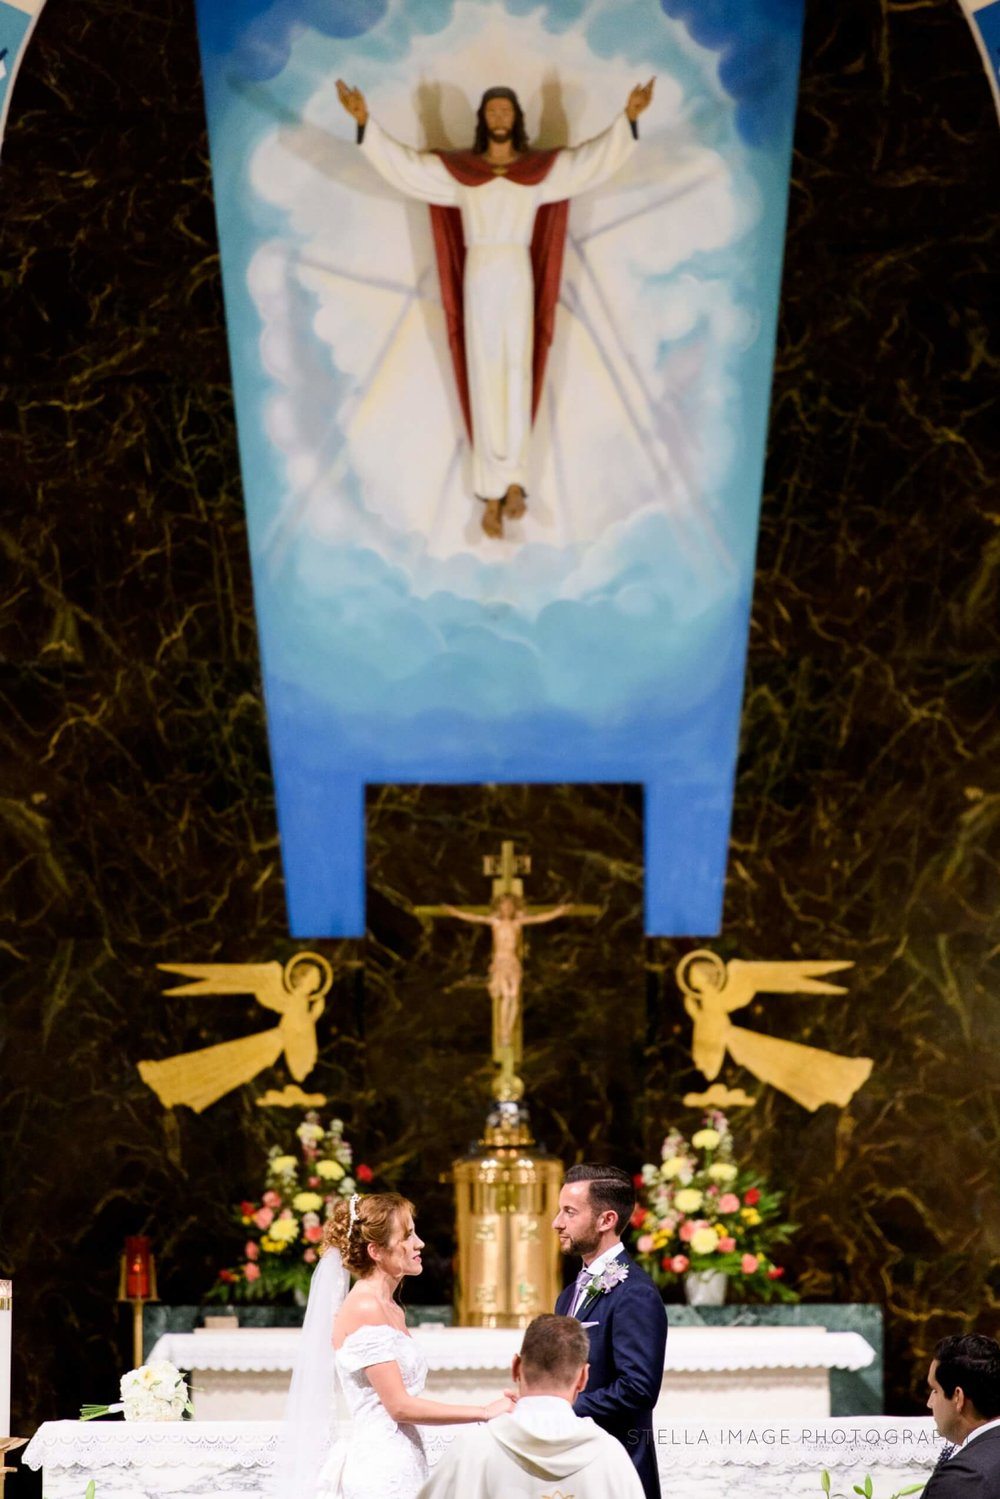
498	219
541	1448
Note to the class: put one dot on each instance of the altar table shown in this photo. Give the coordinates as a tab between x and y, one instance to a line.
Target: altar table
717	1458
745	1371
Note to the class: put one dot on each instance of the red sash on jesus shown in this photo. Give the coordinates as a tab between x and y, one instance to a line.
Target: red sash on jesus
548	242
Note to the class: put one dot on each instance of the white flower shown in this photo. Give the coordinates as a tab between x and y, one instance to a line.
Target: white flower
689	1200
722	1171
347	1186
154	1392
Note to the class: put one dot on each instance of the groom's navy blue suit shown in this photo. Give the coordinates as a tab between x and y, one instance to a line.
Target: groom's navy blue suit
627	1345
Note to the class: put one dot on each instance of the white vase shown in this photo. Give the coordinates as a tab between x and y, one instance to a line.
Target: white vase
705	1287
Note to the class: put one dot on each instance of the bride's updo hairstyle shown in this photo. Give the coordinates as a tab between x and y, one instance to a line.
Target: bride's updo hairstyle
376	1219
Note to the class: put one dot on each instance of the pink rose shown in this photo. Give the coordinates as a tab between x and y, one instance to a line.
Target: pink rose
250	1250
644	1243
310	1256
286	1213
749	1263
314	1233
272	1199
679	1263
263	1217
727	1245
251	1272
686	1231
729	1203
314	1181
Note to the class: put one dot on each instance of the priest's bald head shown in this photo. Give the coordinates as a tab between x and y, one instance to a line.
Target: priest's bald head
500	118
553	1359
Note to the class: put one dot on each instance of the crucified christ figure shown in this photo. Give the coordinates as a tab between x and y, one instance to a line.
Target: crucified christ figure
507	920
499	214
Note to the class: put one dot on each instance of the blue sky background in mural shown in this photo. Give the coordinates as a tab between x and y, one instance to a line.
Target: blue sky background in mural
15	27
606	641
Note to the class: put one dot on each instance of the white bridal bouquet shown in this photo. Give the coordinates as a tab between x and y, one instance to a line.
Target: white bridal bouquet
153	1392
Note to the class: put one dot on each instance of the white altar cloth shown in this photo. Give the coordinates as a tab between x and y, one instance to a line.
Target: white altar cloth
752	1371
715	1459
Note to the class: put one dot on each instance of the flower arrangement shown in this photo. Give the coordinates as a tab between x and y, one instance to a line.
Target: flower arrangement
283	1230
153	1392
700	1212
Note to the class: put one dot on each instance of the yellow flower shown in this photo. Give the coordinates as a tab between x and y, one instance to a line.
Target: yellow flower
750	1216
720	1229
673	1167
307	1202
706	1139
661	1239
283	1164
704	1241
722	1171
284	1230
271	1246
331	1170
688	1200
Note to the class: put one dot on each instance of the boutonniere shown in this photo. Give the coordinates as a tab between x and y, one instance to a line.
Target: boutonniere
599	1285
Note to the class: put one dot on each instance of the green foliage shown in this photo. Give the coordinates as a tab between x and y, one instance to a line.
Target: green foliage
865	1489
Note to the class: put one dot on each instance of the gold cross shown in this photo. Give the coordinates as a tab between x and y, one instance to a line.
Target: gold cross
504	982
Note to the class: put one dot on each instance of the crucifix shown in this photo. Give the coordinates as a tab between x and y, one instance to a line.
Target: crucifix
507	915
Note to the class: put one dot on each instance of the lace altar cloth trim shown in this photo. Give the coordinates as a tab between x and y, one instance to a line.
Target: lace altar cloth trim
158	1444
689	1349
863	1443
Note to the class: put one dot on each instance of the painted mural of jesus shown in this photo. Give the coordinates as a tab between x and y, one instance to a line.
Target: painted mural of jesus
499	217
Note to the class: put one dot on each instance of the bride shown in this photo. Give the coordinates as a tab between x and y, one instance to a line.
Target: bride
360	1337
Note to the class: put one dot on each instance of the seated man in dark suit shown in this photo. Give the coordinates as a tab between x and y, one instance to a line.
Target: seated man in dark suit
964	1398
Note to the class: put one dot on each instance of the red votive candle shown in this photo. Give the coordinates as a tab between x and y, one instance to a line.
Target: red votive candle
137	1268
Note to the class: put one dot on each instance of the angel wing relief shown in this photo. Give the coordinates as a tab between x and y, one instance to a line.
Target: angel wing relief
296	992
713	989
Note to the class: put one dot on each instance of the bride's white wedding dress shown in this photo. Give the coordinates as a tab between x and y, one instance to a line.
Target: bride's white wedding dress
380	1458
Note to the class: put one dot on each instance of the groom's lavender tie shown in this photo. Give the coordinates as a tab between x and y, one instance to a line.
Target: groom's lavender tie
581	1281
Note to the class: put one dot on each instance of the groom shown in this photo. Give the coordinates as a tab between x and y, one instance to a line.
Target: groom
619	1305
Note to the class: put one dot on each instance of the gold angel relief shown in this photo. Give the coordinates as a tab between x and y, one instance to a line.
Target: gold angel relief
713	989
297	992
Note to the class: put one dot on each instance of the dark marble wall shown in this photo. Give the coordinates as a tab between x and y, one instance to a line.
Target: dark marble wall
136	805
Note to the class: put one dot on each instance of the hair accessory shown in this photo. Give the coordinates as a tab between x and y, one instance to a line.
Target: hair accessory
354	1211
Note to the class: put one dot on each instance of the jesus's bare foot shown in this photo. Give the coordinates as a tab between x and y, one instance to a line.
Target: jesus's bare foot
514	502
493	519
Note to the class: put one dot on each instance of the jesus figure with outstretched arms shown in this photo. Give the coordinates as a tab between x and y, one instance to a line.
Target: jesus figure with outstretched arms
498	214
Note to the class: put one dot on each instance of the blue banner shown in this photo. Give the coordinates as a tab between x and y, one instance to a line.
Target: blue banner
984	18
17	22
415	625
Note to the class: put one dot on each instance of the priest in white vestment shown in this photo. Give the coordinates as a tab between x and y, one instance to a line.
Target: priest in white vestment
542	1448
499	260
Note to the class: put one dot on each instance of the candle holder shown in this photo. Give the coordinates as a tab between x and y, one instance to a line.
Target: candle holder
137	1285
